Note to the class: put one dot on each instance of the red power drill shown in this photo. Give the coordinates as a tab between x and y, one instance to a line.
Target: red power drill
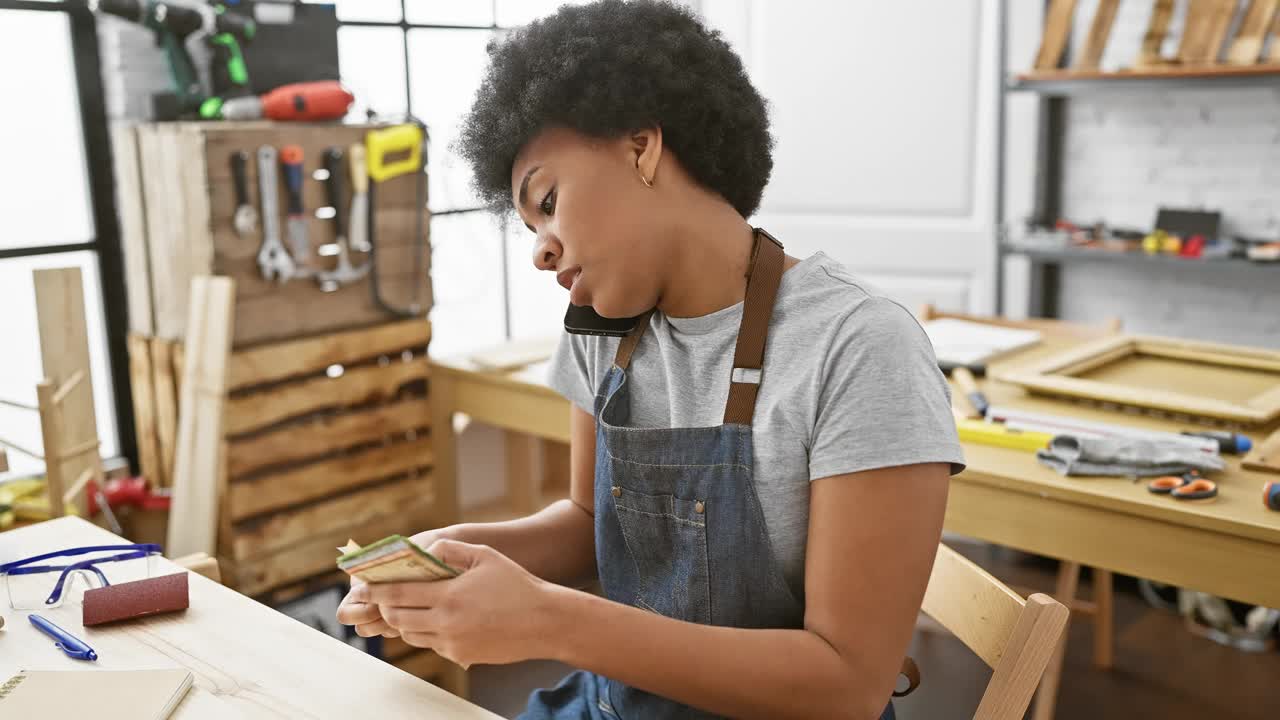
321	100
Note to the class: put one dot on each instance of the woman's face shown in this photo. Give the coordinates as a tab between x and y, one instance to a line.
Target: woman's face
596	222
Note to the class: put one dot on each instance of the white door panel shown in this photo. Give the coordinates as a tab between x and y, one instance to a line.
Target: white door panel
884	119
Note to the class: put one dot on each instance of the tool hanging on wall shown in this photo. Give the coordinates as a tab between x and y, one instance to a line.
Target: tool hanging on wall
273	260
358	221
391	153
172	23
308	102
344	273
291	159
245	219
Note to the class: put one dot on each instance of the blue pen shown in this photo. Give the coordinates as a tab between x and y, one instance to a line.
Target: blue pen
73	646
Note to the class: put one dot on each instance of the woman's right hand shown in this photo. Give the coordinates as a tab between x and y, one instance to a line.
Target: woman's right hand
366	617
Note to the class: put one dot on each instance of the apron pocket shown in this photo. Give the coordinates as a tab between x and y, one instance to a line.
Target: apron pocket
666	536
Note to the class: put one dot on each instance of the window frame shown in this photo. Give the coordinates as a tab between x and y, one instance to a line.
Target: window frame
106	242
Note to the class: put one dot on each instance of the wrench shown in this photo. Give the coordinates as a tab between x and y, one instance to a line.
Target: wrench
273	260
344	273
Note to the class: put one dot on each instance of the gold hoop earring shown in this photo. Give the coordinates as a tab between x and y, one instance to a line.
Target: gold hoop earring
647	182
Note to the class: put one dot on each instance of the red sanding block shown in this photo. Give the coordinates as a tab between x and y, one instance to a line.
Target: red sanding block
140	598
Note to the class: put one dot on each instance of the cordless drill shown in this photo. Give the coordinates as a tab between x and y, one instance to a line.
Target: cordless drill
225	32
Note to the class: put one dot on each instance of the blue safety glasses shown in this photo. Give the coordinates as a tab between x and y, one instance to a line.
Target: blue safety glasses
32	585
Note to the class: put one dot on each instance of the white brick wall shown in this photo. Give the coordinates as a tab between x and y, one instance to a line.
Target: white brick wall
1128	153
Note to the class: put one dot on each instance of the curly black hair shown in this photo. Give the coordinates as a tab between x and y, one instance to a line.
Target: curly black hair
612	67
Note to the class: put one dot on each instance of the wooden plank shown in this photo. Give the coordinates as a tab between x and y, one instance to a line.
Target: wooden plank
284	360
290	527
1057	27
165	207
326	434
254	577
52	431
133	228
1153	40
199	465
274	491
141	381
298	309
64	351
1204	30
1099	31
1273	52
246	413
165	386
1257	22
1224	11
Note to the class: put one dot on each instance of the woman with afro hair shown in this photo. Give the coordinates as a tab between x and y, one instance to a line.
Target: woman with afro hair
759	464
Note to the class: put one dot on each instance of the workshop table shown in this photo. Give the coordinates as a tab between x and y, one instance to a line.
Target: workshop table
1230	547
249	661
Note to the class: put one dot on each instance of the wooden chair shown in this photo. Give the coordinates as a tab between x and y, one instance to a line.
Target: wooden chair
1016	638
1100	609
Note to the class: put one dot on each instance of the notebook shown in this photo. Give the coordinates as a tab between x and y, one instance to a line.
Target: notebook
969	343
97	694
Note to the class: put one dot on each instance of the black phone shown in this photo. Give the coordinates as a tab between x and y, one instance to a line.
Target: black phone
583	320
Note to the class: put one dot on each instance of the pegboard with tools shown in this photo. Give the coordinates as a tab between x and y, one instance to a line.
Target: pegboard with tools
278	208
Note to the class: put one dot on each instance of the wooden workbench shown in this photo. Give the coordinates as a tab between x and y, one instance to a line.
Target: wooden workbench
1229	548
249	661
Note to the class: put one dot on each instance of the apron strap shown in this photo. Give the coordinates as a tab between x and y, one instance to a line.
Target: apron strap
629	342
748	357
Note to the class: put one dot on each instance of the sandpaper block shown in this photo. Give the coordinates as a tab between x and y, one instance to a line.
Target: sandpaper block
140	598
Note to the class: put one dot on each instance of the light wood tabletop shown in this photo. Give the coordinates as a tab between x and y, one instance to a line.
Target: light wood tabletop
249	661
1230	547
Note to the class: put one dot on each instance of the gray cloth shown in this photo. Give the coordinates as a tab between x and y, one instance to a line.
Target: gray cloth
850	383
1127	457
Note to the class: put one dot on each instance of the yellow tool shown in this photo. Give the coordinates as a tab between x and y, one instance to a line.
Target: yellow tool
382	144
26	500
989	433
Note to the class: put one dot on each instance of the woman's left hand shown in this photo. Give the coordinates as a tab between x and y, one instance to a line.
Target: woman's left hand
494	612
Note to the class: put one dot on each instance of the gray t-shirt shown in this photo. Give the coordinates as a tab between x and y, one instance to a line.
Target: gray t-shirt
850	383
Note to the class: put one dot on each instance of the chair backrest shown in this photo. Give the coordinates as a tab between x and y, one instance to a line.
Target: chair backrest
1015	637
1062	328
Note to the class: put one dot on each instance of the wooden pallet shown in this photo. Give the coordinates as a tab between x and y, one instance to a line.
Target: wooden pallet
177	200
328	438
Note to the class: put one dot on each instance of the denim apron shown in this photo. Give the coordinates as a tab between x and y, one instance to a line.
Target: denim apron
678	527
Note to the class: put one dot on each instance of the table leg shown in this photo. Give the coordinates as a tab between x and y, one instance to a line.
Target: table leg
524	472
1047	695
1103	620
444	447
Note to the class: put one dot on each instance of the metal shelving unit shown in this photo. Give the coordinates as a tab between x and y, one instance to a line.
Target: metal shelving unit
1054	89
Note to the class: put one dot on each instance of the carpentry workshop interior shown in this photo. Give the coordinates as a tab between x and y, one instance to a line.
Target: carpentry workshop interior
367	358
